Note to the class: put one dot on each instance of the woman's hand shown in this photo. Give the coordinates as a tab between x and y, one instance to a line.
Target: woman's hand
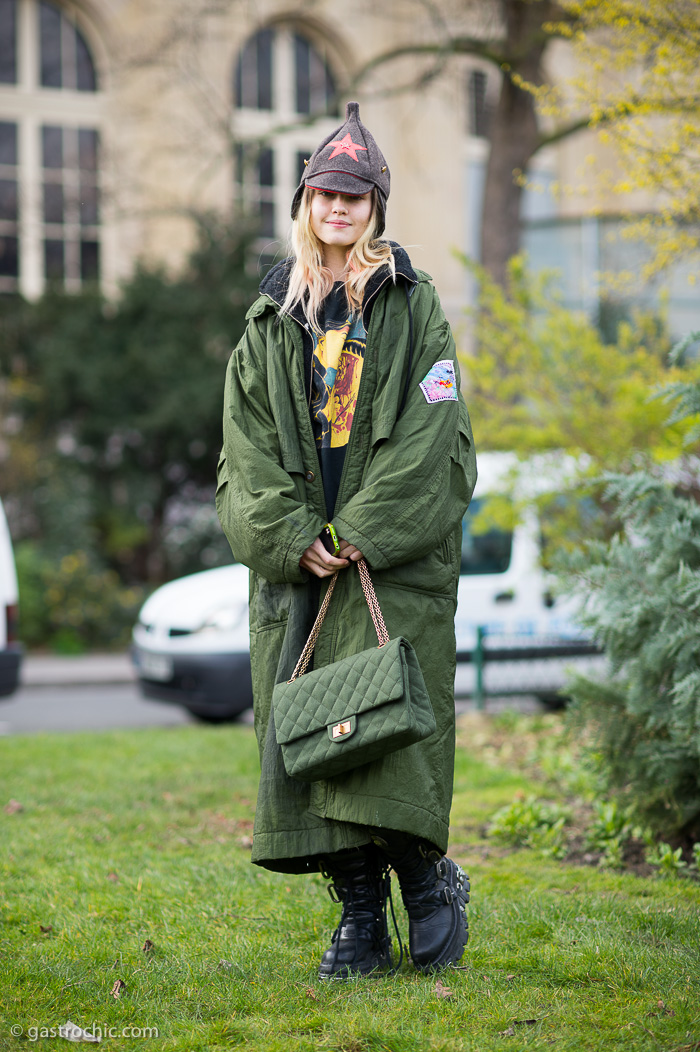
349	551
320	562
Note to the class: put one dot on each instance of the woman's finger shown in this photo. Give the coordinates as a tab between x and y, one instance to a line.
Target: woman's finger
349	551
320	562
334	561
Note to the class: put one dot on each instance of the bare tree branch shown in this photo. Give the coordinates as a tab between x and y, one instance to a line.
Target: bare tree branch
462	46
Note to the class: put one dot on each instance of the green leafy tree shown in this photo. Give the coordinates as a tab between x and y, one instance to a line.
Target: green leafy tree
115	408
543	382
636	74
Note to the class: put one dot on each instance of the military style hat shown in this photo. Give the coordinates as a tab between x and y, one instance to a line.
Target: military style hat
347	162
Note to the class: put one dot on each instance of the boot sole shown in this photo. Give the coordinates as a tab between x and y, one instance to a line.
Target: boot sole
346	971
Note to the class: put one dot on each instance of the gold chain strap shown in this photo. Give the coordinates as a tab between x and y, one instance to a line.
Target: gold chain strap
373	603
308	650
374	609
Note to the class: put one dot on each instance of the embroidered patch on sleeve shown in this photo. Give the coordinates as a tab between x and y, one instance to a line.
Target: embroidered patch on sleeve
440	384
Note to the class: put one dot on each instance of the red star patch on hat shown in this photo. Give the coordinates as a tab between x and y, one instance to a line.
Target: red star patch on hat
346	145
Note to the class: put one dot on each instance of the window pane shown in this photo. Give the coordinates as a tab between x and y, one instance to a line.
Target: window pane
314	84
8	41
8	200
302	76
89	208
87	149
239	162
267	218
264	49
50	45
487	552
479	116
247	77
9	257
238	82
253	76
8	142
321	88
53	203
70	148
89	260
85	68
71	196
66	61
266	175
52	147
332	100
53	260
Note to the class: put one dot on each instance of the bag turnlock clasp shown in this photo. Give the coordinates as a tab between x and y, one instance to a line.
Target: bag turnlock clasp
341	729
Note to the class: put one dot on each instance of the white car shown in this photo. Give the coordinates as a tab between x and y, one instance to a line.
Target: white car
191	643
10	649
191	646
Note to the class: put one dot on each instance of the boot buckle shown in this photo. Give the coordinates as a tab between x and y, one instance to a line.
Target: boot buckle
448	895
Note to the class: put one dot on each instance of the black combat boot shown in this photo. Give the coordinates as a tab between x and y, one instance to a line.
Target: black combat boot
435	892
360	944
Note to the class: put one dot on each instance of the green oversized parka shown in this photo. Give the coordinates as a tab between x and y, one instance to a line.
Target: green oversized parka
406	483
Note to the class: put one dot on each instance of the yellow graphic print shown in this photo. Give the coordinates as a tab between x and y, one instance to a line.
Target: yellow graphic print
338	367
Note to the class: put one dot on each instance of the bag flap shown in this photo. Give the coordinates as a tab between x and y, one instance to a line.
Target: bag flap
339	691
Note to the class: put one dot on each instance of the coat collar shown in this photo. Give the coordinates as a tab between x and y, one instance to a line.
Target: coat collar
276	282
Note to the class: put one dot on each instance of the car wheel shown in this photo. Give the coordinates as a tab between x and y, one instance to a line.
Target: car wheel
553	702
210	717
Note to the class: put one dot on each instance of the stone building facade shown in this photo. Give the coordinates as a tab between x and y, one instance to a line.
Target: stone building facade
120	120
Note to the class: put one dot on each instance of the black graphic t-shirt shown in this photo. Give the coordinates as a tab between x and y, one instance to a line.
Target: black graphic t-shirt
337	367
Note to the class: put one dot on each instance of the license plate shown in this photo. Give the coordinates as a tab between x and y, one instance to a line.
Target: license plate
155	666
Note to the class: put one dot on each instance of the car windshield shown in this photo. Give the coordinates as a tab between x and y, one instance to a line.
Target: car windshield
486	551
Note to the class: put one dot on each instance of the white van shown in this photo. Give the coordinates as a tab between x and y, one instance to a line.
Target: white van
190	644
503	587
10	650
508	618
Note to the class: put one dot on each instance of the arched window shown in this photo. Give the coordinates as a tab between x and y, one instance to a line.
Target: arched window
49	150
281	76
265	59
65	58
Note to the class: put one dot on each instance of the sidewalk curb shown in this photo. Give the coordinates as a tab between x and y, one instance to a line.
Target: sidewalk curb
51	670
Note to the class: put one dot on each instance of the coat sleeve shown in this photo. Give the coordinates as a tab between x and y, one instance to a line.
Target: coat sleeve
420	479
266	522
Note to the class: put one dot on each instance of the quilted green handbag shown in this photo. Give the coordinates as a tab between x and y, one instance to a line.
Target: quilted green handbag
353	711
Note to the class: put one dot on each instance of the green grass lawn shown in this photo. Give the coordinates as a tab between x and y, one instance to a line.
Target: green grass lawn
124	837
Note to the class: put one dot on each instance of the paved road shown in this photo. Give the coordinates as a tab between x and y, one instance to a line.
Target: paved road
98	692
93	707
86	707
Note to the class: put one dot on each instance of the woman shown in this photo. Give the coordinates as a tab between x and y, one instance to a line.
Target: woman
342	405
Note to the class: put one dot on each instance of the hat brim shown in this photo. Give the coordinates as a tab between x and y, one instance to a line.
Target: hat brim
340	183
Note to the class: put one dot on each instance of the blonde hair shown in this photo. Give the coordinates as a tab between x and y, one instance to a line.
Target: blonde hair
310	282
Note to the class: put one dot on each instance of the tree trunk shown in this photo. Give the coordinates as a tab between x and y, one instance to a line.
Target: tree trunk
513	141
514	136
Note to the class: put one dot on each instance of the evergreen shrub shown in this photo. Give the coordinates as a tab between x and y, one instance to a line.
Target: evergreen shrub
641	601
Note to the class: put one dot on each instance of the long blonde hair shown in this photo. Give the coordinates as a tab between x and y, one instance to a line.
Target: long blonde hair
310	282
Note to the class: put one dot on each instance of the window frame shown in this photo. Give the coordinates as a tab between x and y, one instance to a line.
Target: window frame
30	106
